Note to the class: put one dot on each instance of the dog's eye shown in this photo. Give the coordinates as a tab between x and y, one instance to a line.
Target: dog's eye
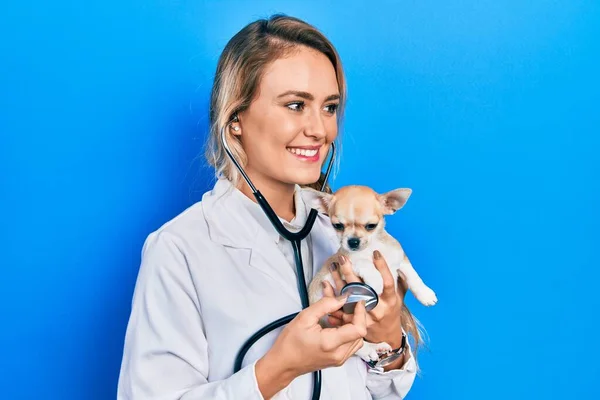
370	227
338	227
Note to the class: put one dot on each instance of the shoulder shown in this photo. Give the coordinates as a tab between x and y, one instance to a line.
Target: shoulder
178	234
191	228
189	221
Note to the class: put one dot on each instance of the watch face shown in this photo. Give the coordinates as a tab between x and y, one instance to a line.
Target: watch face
384	362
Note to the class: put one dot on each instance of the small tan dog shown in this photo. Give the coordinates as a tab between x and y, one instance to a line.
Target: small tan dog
357	214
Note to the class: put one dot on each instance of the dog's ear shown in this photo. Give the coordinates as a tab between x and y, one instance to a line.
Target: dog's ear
394	200
320	201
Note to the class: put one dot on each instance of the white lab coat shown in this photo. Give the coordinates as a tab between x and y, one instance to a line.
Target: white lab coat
209	279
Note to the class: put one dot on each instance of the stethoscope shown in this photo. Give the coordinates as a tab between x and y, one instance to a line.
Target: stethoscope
356	291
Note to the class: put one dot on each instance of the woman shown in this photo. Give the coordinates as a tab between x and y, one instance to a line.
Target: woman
219	271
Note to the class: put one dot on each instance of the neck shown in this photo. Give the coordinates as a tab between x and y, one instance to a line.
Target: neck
279	195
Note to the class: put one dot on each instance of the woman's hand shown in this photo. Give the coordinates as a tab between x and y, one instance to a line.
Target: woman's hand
384	322
304	346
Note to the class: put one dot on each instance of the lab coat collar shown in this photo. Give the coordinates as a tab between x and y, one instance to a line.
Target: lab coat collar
226	212
225	197
221	212
258	214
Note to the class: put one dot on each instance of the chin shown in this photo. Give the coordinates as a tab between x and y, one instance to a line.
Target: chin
303	178
306	178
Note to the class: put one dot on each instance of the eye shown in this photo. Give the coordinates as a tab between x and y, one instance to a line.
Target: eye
331	108
296	106
370	227
338	227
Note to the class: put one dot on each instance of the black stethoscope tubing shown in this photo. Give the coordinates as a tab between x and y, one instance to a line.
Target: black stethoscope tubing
296	239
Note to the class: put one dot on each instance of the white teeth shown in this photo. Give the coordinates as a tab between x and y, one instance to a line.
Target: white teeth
302	152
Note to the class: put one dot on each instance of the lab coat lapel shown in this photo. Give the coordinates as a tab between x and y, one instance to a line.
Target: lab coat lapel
231	225
268	258
324	240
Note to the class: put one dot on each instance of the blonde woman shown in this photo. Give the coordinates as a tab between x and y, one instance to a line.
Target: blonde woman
219	271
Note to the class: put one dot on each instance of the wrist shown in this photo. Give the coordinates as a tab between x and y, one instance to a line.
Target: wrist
398	364
392	335
272	376
393	359
394	338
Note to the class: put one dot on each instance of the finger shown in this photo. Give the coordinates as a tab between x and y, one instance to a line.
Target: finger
378	312
349	332
352	331
328	289
338	314
334	322
352	348
336	337
402	284
337	278
357	346
347	318
359	318
389	287
346	269
326	305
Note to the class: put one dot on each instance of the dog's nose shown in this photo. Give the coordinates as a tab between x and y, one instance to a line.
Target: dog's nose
353	243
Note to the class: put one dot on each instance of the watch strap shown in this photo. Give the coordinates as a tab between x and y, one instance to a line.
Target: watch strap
386	358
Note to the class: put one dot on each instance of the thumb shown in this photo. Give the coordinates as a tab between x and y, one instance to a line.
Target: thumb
326	305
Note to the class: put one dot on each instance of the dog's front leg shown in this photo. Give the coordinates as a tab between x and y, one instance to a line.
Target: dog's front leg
422	292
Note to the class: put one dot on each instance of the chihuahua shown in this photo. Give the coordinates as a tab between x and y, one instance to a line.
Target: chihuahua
357	215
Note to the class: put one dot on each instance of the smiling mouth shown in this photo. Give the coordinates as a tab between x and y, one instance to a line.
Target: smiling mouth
305	154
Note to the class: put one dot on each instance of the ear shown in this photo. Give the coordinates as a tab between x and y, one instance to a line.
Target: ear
394	200
235	129
234	125
320	201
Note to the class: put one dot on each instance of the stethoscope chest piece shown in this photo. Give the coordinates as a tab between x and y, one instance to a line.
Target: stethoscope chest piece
356	292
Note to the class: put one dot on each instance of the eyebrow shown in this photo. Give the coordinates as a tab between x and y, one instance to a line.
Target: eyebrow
306	95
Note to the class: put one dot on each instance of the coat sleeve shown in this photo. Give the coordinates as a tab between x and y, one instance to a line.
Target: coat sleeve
392	384
166	354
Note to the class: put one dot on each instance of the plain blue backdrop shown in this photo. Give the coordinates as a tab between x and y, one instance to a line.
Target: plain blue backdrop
488	110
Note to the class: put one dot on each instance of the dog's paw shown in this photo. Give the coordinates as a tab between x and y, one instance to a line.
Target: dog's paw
425	295
372	351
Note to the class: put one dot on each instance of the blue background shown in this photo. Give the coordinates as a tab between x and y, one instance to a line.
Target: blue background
488	110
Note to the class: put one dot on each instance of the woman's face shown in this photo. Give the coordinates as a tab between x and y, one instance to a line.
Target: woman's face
288	127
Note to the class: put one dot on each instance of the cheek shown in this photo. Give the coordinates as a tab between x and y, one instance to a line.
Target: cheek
331	129
267	145
278	127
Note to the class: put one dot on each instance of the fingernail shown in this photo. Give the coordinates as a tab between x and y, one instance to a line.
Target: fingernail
333	266
342	259
342	298
376	254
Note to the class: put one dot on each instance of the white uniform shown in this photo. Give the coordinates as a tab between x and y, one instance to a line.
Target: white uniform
209	279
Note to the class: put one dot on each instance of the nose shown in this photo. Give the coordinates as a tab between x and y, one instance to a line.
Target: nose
353	243
315	126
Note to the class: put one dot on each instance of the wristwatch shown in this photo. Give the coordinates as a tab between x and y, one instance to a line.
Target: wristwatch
389	357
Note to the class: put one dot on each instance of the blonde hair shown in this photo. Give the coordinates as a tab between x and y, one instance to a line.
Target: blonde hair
239	71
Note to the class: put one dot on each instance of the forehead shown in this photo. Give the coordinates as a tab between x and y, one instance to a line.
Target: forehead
360	208
304	69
